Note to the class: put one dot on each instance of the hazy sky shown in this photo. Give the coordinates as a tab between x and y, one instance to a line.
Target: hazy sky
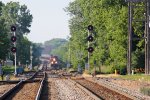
49	19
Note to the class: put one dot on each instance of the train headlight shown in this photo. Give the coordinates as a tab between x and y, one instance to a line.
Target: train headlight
54	59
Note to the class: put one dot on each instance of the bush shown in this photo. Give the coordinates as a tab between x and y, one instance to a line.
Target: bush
8	69
122	70
106	70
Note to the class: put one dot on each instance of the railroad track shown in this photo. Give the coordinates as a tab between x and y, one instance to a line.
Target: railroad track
101	91
61	87
49	89
133	93
7	86
29	89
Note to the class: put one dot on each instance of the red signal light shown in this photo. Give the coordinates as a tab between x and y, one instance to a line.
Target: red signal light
90	49
13	38
90	38
90	28
13	28
13	49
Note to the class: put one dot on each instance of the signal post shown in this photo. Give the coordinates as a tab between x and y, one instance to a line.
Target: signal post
14	49
90	38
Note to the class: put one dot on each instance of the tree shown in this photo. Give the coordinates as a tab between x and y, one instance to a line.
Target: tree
25	51
37	50
4	40
109	18
15	14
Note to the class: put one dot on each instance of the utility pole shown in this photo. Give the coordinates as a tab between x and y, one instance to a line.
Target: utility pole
147	40
129	38
132	5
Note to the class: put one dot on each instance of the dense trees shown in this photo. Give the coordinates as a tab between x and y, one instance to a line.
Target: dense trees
13	13
109	18
18	15
4	41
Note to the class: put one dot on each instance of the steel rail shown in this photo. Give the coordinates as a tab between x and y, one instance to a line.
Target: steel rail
91	94
11	90
104	86
40	89
117	88
32	76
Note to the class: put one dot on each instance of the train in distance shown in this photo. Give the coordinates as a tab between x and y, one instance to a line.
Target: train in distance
54	62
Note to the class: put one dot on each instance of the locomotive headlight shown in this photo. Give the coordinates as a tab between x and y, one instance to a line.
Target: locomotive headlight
54	59
52	62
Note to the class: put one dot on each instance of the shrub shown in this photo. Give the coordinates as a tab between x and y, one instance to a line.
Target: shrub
120	69
145	90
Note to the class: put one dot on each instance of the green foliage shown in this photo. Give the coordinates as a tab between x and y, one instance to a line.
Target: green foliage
60	51
8	69
19	15
106	69
13	13
54	43
109	18
37	50
110	26
138	59
24	51
4	40
120	69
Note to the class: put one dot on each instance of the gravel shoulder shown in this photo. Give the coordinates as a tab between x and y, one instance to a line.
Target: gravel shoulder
26	92
4	88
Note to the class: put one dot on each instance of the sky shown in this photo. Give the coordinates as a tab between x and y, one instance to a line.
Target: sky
49	19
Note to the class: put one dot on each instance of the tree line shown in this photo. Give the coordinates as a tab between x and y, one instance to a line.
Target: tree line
110	21
13	13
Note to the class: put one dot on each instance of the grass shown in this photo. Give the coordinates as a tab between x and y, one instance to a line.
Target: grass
0	78
140	77
106	69
12	77
8	70
145	91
